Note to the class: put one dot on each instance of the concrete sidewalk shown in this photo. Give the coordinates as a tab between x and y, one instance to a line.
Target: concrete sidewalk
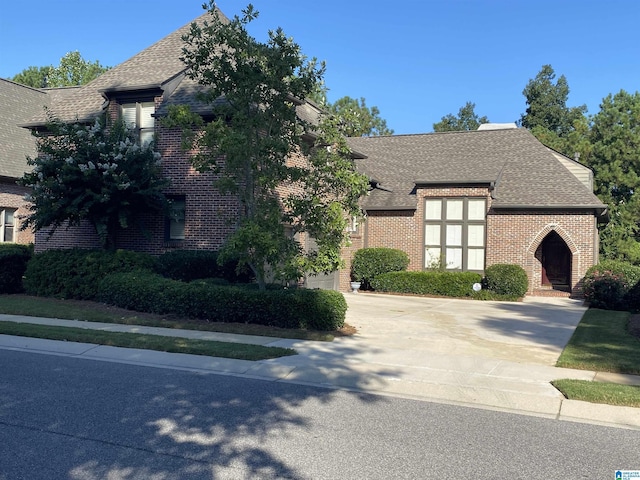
492	355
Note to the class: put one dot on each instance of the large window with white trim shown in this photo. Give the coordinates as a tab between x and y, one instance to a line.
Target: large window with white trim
455	233
139	117
7	224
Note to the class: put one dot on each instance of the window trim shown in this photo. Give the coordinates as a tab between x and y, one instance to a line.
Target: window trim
4	225
139	130
443	222
168	219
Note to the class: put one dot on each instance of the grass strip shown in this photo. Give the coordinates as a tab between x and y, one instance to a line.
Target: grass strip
598	392
98	312
238	351
602	343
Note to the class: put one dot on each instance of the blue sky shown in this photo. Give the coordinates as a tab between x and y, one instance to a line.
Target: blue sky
416	60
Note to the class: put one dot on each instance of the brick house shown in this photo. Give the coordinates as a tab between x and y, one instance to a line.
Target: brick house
476	198
141	90
17	105
473	199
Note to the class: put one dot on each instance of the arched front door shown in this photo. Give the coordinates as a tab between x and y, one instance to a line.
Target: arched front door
556	262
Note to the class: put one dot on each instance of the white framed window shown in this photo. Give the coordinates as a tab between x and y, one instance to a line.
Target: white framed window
7	225
353	225
455	233
433	209
175	220
139	117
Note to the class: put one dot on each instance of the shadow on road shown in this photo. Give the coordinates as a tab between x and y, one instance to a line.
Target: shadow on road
111	420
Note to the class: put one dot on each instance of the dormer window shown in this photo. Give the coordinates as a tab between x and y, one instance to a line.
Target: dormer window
139	117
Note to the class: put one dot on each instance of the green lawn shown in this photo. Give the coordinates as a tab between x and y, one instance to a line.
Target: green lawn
602	343
99	312
237	351
596	392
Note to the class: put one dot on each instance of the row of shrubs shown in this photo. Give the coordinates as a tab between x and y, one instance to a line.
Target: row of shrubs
613	285
76	273
145	291
384	270
185	283
13	263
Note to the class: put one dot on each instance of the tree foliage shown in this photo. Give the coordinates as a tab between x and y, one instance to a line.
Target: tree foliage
36	77
358	120
92	173
252	89
548	117
547	103
72	70
615	159
467	119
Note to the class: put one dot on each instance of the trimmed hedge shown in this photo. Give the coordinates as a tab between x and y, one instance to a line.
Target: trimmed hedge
295	308
189	265
368	263
631	299
76	273
450	284
506	279
630	272
13	263
612	285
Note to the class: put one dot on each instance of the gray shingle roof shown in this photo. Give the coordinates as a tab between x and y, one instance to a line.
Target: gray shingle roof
156	66
524	172
17	104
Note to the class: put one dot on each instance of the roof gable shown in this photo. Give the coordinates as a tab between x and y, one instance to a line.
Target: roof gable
522	172
155	67
18	103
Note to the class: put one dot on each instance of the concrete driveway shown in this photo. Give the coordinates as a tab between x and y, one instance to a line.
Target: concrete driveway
533	331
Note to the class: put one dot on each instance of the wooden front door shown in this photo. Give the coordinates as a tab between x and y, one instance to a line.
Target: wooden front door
556	262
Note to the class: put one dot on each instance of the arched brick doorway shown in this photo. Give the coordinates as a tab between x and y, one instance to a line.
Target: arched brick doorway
555	258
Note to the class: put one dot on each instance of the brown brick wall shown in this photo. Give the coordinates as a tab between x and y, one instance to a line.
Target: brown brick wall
356	243
12	196
209	215
511	237
514	237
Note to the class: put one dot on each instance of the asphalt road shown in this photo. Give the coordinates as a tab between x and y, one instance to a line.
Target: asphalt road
66	418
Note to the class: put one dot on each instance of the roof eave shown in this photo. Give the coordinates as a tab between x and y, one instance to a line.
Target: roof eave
598	207
389	208
130	88
454	183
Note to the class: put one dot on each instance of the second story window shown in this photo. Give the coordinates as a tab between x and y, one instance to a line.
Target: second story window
138	116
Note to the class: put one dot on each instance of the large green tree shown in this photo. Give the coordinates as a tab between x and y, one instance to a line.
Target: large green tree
36	77
615	160
548	116
89	172
72	70
358	120
253	88
467	119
